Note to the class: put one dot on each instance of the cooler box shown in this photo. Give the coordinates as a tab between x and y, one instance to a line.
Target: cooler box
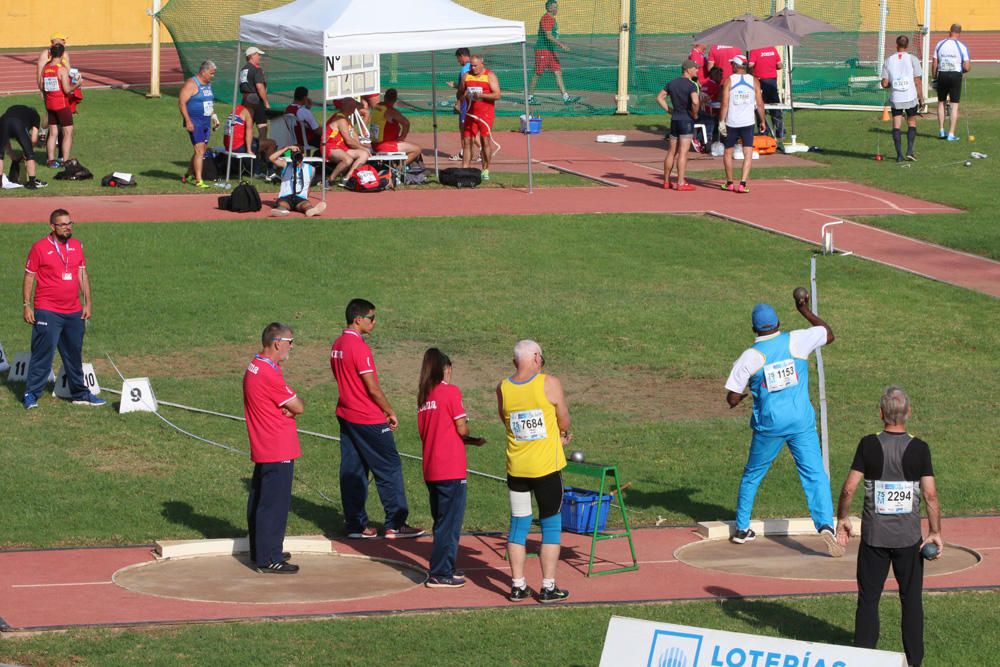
579	510
531	125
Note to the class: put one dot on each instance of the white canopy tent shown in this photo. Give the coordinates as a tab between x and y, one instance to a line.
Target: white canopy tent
328	28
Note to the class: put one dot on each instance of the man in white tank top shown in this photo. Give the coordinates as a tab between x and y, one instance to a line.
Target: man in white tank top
901	76
741	102
951	62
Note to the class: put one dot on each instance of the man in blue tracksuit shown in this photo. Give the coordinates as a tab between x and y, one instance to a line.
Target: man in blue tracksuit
776	368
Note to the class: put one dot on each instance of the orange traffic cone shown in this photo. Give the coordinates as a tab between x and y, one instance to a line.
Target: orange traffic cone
885	113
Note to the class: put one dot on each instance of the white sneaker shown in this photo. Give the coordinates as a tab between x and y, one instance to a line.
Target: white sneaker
457	157
279	212
316	210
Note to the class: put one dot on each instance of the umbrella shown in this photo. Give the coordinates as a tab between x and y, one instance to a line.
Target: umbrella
747	32
799	24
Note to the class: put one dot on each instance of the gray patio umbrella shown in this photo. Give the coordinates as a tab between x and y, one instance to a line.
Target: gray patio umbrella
799	24
747	32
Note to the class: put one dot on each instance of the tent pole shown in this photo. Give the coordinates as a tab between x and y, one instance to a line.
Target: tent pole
527	113
434	117
236	78
326	132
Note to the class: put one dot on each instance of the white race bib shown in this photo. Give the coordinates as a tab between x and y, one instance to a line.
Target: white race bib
365	177
375	131
742	96
50	84
948	64
475	90
208	107
528	425
780	375
893	497
244	74
901	85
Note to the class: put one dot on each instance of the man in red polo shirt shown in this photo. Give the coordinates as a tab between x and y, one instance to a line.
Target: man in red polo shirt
367	421
270	407
721	55
698	56
764	64
57	264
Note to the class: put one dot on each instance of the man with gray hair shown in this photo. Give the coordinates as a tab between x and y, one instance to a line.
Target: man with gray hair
533	409
197	105
897	471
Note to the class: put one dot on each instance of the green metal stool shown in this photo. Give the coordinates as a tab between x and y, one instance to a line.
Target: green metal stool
603	472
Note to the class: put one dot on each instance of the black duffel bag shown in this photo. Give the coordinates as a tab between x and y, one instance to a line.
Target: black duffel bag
461	177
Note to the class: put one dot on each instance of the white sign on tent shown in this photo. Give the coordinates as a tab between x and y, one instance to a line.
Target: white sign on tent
352	76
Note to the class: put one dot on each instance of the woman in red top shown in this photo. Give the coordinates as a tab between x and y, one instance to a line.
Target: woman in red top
444	432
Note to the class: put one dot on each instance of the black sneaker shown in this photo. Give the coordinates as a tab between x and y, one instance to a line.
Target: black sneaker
403	532
743	536
833	547
554	594
278	568
520	594
35	184
454	581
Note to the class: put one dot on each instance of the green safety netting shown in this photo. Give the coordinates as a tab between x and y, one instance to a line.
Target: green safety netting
830	68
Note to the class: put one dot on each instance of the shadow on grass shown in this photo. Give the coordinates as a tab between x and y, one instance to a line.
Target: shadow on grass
327	517
786	621
210	527
678	500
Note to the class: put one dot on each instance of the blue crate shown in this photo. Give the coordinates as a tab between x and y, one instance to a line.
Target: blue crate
579	510
531	126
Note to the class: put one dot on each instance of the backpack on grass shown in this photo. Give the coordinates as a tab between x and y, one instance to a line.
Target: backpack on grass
74	171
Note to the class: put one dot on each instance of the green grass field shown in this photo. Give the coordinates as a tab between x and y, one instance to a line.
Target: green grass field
640	315
121	130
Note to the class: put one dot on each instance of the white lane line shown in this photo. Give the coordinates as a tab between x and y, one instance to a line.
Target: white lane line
853	192
79	583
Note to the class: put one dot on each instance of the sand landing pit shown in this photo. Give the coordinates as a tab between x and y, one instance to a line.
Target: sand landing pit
801	557
328	577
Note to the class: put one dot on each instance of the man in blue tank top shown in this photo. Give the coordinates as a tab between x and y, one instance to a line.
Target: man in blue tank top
776	368
197	105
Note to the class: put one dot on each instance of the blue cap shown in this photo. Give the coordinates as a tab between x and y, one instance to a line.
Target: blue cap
764	318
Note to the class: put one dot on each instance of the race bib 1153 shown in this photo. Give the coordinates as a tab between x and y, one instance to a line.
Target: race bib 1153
780	375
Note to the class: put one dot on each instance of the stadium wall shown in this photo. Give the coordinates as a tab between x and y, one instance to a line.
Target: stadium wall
85	23
118	22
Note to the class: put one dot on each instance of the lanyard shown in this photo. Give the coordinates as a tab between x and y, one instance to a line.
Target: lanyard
267	361
65	260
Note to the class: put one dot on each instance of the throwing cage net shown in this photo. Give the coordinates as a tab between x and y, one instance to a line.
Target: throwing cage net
638	43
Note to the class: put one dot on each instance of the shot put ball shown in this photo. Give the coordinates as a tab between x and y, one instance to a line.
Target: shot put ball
576	456
800	293
968	163
930	551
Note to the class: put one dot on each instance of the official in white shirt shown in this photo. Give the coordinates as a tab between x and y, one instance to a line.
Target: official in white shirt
951	61
902	76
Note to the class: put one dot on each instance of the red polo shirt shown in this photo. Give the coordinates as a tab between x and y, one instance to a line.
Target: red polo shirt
720	55
57	273
444	450
699	58
765	62
350	358
273	436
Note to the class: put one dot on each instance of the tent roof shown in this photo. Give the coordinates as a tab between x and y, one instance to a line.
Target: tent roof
324	27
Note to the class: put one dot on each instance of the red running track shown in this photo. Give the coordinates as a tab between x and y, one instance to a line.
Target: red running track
102	68
74	587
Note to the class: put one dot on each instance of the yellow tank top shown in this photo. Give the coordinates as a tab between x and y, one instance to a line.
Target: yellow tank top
533	445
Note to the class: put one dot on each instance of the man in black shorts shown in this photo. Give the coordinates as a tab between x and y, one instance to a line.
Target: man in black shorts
253	86
21	123
896	470
684	101
951	62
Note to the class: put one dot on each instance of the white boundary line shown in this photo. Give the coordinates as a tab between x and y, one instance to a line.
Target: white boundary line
80	583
